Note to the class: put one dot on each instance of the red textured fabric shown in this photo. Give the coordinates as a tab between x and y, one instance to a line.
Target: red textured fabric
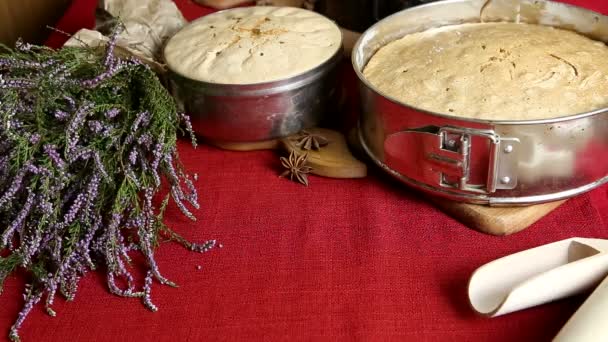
342	260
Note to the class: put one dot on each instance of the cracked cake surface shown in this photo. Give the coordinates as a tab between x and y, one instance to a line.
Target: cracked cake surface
497	71
253	45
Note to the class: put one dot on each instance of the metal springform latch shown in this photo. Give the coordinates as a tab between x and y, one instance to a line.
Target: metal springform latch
453	157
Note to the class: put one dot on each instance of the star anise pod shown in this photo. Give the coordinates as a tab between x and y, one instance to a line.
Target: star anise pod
309	141
297	170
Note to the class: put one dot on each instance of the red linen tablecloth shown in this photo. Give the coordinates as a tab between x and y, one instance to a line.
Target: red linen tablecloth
341	260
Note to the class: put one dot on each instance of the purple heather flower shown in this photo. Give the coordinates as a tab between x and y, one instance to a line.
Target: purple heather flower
31	247
15	186
70	216
98	127
75	125
133	156
56	250
147	290
180	204
109	58
6	63
114	254
110	233
123	270
87	153
143	164
15	124
193	195
136	61
149	254
23	64
86	247
113	69
132	247
46	207
135	222
50	297
145	140
51	152
114	289
131	174
95	126
142	120
204	247
35	138
71	102
59	74
80	153
70	286
19	220
99	165
188	123
146	235
23	46
61	115
112	113
15	83
123	254
147	208
168	159
107	132
38	170
30	301
91	194
175	180
157	155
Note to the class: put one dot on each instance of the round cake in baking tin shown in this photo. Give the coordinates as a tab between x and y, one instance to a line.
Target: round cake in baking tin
253	45
494	71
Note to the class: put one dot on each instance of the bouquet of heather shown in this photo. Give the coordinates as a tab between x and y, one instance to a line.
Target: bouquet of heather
87	140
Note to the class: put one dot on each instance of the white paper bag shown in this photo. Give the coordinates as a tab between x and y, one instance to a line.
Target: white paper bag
148	24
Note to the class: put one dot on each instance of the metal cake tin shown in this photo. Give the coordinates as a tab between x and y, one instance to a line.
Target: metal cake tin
495	162
260	111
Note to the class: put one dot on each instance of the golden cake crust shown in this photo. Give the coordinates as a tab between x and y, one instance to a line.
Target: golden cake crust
495	71
253	45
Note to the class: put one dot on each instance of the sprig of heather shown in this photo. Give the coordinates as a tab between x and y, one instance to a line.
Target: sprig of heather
86	140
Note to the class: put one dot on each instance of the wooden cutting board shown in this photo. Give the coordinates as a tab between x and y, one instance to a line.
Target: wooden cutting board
495	220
